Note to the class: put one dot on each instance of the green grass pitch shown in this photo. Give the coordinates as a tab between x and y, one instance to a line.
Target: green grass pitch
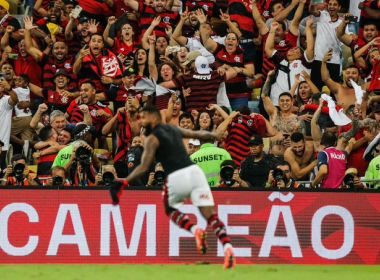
184	272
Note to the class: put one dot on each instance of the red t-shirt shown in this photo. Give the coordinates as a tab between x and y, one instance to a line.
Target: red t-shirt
95	7
355	158
30	67
375	81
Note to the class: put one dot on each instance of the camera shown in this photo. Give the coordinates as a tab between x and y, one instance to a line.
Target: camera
18	169
57	181
226	174
83	156
351	19
278	175
159	177
349	180
108	178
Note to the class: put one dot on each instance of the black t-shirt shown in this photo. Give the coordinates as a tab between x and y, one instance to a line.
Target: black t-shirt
256	173
171	152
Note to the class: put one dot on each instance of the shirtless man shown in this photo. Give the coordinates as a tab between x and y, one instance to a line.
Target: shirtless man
344	93
300	156
281	117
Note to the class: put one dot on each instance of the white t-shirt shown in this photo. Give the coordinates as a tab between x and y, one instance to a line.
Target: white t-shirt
194	44
6	118
23	94
326	38
282	81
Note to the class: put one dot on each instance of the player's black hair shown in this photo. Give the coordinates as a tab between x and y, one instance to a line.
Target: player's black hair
151	110
297	137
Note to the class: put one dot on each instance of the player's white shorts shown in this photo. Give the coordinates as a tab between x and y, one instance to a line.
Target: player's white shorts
188	182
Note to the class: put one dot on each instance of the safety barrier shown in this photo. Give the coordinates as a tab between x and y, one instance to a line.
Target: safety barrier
81	226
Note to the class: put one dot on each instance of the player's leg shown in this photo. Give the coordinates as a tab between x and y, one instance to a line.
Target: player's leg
221	233
201	197
176	190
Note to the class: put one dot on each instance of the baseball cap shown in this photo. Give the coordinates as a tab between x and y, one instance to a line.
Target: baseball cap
195	142
202	66
351	170
191	56
61	72
83	19
4	4
255	141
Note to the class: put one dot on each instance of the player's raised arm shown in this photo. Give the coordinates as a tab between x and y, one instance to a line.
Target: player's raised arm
150	147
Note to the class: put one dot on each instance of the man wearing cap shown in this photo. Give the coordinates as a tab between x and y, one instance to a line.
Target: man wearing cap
58	59
193	146
256	167
203	82
78	38
120	93
209	158
59	98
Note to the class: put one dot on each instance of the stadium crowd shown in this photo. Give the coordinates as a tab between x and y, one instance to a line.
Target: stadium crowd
291	87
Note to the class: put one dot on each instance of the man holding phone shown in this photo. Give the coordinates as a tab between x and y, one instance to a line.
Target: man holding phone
327	21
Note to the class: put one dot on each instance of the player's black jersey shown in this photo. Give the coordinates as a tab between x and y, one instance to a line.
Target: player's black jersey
171	152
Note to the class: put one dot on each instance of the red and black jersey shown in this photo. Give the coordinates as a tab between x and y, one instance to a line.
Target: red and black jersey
56	101
147	14
76	115
75	44
122	48
161	102
264	9
50	66
124	136
290	41
93	68
356	45
204	89
240	132
120	8
44	164
241	12
30	67
207	6
236	87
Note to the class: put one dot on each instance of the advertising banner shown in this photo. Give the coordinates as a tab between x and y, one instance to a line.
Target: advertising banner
82	226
